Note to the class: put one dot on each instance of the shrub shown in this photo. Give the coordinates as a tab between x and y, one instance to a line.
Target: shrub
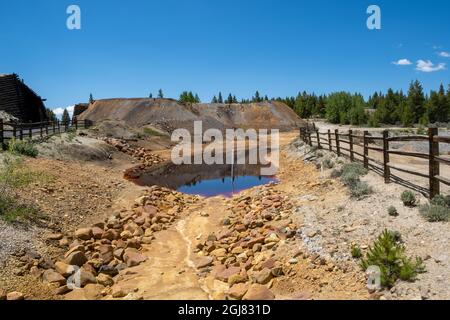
152	132
389	255
22	147
335	173
360	189
435	213
441	200
12	210
327	163
356	251
14	174
392	211
408	198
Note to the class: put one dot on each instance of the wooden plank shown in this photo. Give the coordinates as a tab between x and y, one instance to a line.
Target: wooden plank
434	167
442	160
375	148
386	171
366	151
408	170
442	139
408	138
409	154
336	136
443	180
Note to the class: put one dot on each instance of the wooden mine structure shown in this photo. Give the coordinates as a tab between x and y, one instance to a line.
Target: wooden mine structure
17	99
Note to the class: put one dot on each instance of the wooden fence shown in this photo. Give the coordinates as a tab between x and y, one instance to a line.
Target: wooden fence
22	131
343	144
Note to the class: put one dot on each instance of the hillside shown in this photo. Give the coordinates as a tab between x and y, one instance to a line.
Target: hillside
170	114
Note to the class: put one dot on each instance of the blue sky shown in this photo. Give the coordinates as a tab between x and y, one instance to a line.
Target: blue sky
131	48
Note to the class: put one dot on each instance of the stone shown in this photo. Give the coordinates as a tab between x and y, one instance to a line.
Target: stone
236	278
118	293
238	290
83	277
105	280
76	258
110	270
83	233
54	236
133	258
227	273
51	276
93	291
293	261
106	253
3	294
15	296
126	235
97	233
272	238
202	262
258	292
263	276
64	269
111	234
221	252
118	253
62	290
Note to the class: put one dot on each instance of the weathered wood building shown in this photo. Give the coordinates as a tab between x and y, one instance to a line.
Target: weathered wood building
17	99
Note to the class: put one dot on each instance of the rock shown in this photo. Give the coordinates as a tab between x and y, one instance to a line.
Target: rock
97	233
83	233
106	253
64	269
52	276
202	262
133	258
118	253
301	296
227	273
76	258
85	277
264	276
111	234
272	238
258	292
54	236
237	291
93	291
105	280
110	270
15	296
3	294
221	252
118	293
236	278
62	290
293	261
126	235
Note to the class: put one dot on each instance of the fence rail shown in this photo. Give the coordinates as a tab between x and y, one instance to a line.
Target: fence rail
338	142
22	131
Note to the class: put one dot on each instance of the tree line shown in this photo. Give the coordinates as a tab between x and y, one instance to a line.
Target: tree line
393	107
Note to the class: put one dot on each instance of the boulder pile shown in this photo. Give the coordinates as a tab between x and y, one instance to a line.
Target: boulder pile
243	253
142	155
95	254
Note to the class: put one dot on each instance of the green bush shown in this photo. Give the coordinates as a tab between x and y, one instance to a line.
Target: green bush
441	200
356	251
15	175
360	189
435	213
392	211
152	132
389	255
327	163
408	198
22	147
12	210
335	173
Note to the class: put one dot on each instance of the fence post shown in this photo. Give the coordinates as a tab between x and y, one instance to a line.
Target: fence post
386	169
2	137
366	150
330	145
434	165
318	139
350	141
59	126
338	148
41	129
30	131
21	132
76	124
46	128
14	131
309	138
54	126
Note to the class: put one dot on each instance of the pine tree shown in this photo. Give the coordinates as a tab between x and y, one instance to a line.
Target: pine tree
220	99
65	117
214	100
150	95
160	94
50	115
91	99
257	97
197	99
229	99
416	101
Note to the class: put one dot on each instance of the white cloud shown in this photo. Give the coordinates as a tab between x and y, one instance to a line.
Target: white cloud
402	62
428	66
59	111
444	54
